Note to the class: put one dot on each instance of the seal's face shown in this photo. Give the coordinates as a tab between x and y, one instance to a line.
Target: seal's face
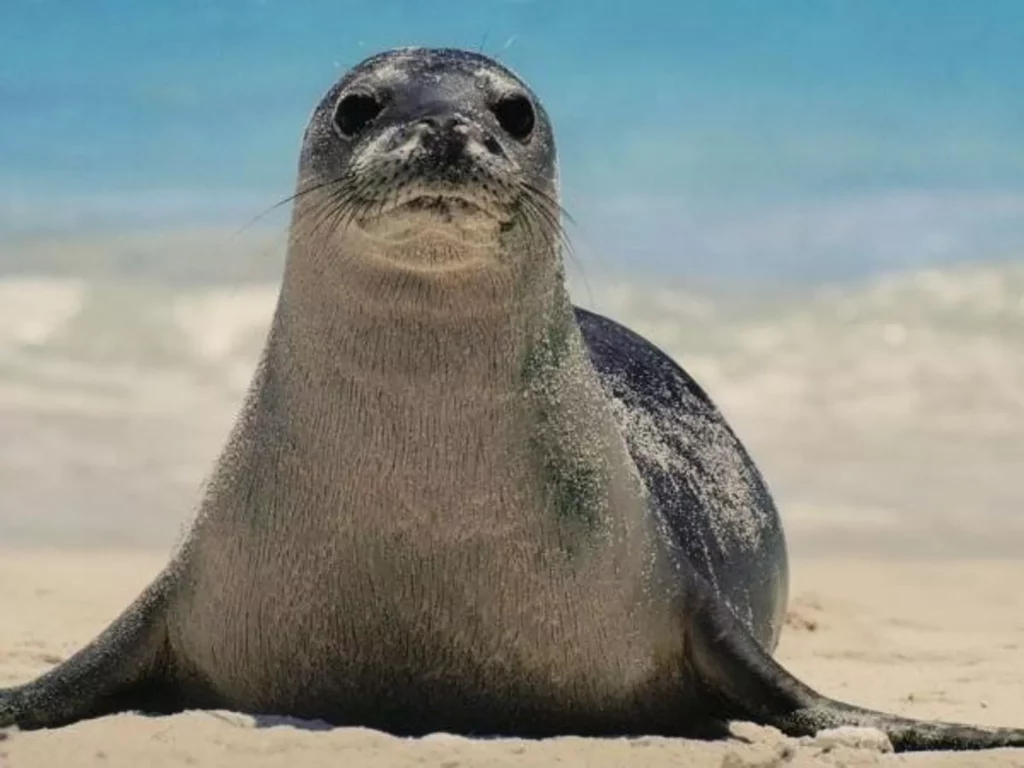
419	141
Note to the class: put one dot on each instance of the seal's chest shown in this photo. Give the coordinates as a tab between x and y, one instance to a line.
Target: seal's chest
417	621
383	566
423	593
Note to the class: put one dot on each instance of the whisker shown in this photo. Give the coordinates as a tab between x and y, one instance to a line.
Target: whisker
346	199
534	216
543	208
549	199
330	209
534	232
345	206
291	198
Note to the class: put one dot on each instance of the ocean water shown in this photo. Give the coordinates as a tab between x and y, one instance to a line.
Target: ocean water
816	206
797	139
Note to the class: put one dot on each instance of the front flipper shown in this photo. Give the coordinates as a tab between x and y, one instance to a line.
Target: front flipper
743	682
120	670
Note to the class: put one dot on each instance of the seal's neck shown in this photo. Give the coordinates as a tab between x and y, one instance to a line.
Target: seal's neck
466	396
453	318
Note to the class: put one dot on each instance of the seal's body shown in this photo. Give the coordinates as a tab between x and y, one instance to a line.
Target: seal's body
453	500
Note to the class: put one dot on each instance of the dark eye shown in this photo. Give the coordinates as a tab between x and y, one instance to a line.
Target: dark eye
355	112
515	115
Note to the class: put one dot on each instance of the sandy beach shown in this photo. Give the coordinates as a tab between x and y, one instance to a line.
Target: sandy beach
924	638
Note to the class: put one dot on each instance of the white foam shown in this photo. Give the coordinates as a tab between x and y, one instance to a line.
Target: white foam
32	310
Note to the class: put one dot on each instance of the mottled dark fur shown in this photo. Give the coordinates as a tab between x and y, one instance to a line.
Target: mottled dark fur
452	500
708	487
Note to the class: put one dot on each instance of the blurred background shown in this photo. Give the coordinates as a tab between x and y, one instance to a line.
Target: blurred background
816	206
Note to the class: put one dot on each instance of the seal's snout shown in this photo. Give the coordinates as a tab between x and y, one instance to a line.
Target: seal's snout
452	165
449	137
444	139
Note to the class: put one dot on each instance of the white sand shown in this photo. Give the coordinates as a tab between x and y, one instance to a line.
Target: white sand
922	638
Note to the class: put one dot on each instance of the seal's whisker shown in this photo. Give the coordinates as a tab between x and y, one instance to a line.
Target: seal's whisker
549	207
319	215
344	210
533	214
345	200
538	230
542	220
335	214
535	232
549	219
548	198
546	205
358	202
290	199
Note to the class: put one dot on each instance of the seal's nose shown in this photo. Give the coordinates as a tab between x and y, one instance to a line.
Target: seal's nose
448	136
444	137
445	124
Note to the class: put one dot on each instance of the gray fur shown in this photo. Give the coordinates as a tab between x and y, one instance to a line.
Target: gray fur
434	512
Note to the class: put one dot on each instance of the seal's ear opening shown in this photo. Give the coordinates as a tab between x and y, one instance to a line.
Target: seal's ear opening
356	111
515	114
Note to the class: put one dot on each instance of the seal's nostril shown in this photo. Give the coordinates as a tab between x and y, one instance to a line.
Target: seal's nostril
492	146
442	124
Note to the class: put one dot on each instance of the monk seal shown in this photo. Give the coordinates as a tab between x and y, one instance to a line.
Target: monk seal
452	500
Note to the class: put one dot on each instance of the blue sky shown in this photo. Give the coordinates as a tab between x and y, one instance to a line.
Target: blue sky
743	135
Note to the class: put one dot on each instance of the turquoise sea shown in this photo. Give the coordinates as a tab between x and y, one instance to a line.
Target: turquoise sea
789	139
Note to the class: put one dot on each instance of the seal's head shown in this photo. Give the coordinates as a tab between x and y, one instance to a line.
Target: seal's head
423	145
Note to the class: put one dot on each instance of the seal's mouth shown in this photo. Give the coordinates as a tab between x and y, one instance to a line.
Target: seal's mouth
442	204
445	206
448	214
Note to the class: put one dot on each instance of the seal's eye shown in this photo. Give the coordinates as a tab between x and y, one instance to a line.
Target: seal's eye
515	115
354	113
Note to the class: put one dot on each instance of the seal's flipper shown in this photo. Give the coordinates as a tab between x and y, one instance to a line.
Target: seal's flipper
120	670
741	681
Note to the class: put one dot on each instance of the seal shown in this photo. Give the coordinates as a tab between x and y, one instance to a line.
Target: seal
452	500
